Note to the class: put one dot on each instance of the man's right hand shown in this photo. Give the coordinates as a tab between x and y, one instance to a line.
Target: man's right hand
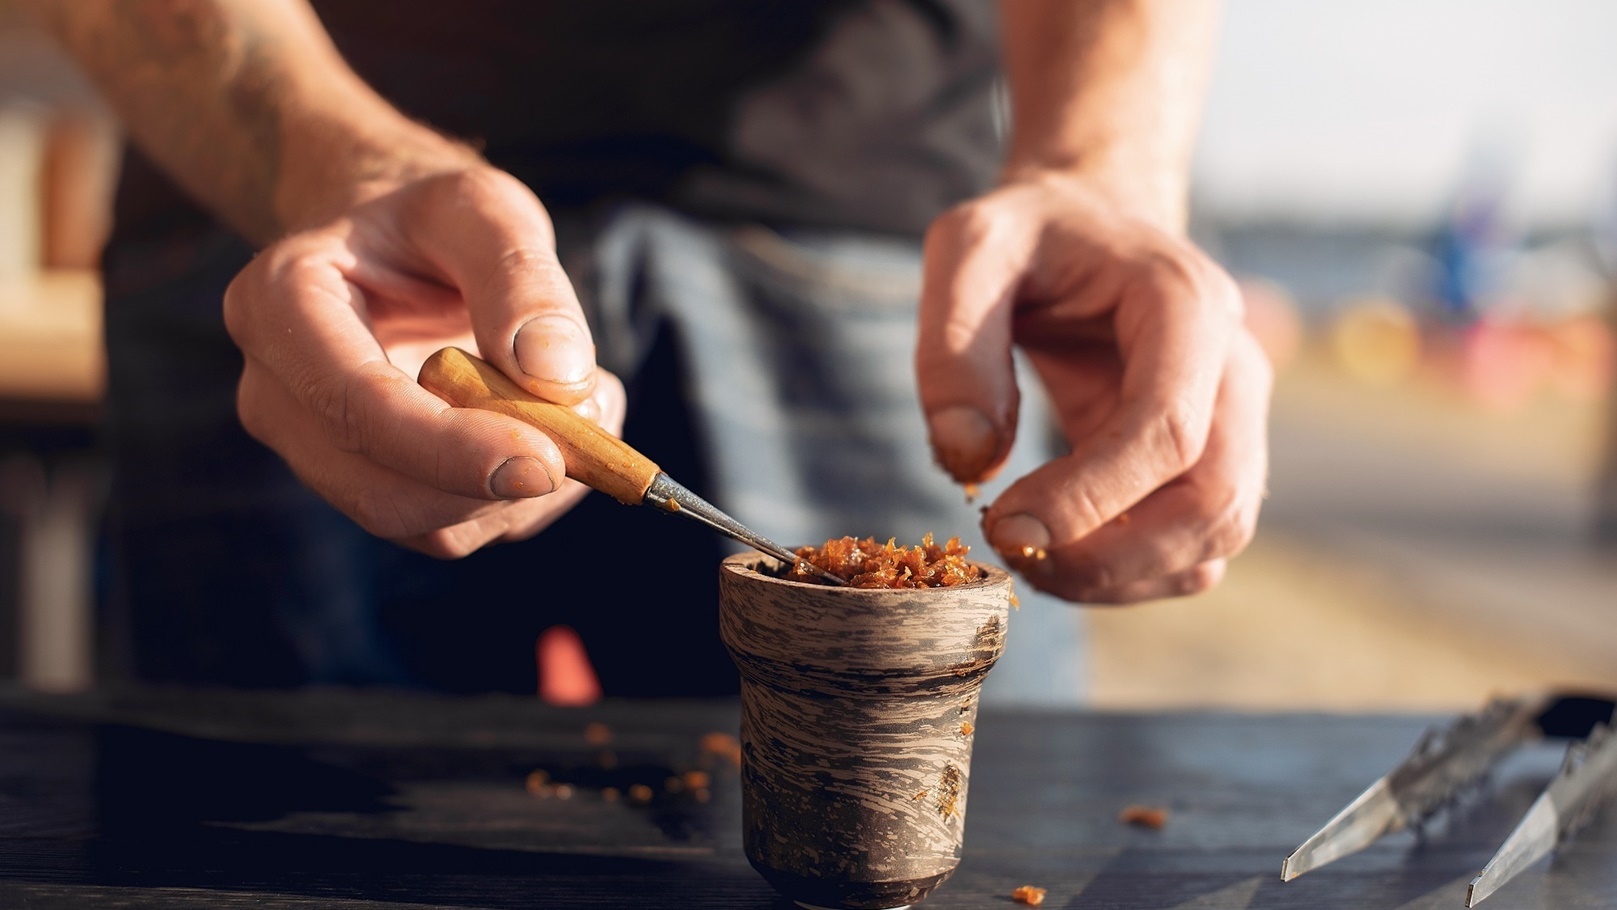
383	241
335	320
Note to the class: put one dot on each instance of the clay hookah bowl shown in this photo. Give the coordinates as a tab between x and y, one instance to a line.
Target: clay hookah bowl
859	709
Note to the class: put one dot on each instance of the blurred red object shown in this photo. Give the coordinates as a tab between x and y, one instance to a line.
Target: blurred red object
1503	363
565	674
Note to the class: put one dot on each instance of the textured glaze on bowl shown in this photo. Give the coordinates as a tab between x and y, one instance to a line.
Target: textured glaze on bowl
859	709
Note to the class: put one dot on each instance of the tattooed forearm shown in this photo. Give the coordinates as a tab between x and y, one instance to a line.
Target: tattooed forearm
245	103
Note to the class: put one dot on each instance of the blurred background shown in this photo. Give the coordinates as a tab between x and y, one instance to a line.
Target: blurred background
1420	199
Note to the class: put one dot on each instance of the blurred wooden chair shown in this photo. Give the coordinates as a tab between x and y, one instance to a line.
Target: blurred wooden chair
56	170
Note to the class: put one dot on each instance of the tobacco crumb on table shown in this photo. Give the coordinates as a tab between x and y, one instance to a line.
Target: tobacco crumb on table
868	564
722	745
1153	817
537	784
1027	894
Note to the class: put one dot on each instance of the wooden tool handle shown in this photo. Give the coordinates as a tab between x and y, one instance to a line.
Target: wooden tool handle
594	457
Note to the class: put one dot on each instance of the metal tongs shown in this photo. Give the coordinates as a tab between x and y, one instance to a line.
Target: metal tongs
1449	759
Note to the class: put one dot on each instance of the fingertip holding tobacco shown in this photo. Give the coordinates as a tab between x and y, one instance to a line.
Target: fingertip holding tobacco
965	444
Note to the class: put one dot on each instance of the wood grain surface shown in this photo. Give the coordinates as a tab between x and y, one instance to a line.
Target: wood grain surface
593	456
858	711
375	801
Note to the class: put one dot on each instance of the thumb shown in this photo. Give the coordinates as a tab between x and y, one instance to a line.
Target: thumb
492	238
974	260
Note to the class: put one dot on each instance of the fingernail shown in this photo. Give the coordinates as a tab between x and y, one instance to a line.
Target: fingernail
1020	536
521	477
964	441
553	349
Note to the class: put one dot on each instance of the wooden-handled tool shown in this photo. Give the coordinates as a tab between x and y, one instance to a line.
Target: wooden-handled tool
593	456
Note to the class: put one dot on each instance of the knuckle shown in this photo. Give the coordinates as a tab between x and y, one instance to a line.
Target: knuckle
1179	433
1097	595
298	261
1231	535
1227	294
484	189
250	414
482	183
970	224
1226	521
532	269
1098	577
1199	580
235	309
444	544
1185	272
379	514
337	404
1250	356
1171	269
1084	512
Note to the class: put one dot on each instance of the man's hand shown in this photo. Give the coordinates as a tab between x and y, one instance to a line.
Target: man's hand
1158	388
335	321
384	241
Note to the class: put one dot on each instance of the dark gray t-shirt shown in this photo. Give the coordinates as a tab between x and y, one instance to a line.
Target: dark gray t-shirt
863	114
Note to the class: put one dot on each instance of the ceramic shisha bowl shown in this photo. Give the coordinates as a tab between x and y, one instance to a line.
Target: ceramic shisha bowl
859	709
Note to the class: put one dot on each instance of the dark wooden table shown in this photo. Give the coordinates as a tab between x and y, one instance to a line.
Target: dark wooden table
350	800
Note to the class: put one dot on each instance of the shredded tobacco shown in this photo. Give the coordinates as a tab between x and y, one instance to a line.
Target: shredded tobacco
1153	817
867	564
949	792
1027	894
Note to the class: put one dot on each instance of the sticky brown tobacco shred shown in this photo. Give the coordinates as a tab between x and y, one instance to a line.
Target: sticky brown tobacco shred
868	564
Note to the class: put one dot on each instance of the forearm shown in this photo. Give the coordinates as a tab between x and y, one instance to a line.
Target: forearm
246	103
1111	90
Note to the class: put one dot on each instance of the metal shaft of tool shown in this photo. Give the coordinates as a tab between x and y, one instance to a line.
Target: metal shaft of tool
1587	780
667	494
1446	760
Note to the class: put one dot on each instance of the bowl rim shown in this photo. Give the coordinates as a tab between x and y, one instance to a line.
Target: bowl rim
742	565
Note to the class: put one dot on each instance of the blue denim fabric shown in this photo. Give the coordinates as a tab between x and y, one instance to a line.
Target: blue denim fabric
799	353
